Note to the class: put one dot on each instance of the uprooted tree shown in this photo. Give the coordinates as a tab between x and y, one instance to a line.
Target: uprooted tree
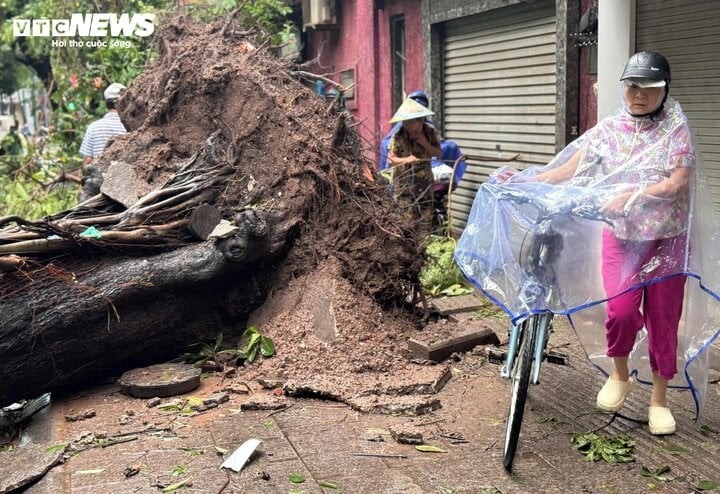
218	130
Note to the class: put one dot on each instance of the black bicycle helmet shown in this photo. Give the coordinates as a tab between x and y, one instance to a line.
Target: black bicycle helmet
647	65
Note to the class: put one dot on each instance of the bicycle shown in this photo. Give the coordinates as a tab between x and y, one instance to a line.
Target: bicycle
529	337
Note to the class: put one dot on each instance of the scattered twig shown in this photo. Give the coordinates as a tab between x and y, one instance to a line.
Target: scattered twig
316	77
142	431
378	455
280	410
227	482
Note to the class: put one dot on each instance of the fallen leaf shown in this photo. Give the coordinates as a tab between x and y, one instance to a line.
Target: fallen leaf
674	449
296	478
174	487
55	448
707	485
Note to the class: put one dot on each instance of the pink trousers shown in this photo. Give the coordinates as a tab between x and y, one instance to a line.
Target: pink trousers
627	263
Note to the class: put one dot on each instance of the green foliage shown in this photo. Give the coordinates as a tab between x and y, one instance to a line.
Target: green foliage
176	486
77	78
22	195
674	449
440	275
212	353
253	343
13	74
270	16
659	475
612	449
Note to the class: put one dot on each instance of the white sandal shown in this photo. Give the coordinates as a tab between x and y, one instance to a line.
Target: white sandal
661	421
612	395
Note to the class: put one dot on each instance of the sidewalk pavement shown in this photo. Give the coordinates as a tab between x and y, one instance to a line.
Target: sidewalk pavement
333	448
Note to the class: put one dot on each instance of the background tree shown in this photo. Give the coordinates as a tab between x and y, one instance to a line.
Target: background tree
71	81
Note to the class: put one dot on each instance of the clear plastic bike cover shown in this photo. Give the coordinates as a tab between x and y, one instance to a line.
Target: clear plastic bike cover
620	154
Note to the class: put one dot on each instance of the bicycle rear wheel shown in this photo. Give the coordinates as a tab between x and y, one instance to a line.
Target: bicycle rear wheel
520	381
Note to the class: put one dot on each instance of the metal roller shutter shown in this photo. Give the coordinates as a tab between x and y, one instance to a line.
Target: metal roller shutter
499	92
687	32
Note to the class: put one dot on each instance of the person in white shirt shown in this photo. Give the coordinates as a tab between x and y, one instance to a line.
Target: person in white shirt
96	138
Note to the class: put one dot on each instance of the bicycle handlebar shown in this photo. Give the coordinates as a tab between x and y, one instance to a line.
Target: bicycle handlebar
589	210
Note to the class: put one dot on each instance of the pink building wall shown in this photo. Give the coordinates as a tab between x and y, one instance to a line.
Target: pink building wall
362	42
414	55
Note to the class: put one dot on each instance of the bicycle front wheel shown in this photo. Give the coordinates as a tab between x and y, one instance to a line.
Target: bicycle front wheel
520	381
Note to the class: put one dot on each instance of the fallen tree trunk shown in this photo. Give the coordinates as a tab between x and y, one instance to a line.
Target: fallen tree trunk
131	312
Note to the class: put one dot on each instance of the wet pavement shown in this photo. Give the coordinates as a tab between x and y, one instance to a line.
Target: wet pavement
127	447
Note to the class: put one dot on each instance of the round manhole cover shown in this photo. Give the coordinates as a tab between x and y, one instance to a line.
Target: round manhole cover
160	380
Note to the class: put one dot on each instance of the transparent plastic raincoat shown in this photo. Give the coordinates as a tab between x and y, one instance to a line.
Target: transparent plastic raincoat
622	154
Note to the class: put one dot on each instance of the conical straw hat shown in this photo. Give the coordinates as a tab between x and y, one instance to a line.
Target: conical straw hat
410	109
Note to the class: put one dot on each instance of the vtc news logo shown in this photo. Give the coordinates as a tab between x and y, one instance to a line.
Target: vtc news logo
87	25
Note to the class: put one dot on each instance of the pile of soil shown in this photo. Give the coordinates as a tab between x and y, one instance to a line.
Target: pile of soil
232	120
292	154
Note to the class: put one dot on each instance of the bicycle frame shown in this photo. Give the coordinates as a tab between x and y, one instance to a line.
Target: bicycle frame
541	341
545	247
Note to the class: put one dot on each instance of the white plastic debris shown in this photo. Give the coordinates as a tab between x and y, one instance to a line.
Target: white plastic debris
241	455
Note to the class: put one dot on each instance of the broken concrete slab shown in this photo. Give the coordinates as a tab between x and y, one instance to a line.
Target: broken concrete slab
406	434
395	405
318	387
438	341
264	402
216	398
160	380
413	380
461	317
271	382
72	416
451	305
410	380
33	457
121	184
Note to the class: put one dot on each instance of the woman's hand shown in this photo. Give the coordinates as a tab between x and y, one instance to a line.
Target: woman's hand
615	207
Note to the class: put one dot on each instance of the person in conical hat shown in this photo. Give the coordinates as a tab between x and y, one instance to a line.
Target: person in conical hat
410	152
421	97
